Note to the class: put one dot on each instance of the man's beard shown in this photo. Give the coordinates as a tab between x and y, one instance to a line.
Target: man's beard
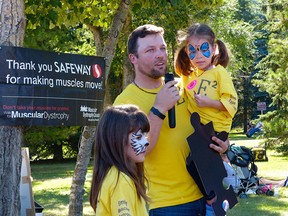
154	74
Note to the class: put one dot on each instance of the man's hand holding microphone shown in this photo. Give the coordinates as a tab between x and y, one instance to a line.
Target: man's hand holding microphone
167	98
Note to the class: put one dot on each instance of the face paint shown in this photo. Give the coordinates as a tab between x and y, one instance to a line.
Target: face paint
192	52
139	142
205	49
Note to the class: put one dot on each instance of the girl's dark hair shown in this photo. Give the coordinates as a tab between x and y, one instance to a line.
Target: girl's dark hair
114	127
182	62
141	32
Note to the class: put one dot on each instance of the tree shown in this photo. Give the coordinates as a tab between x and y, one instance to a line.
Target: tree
60	142
12	25
272	76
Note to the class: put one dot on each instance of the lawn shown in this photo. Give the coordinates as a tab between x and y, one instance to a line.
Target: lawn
51	185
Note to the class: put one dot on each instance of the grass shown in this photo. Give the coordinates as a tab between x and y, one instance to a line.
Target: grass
51	187
52	181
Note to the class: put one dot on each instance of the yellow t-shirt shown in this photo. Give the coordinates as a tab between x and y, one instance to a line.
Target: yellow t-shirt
169	181
118	196
216	84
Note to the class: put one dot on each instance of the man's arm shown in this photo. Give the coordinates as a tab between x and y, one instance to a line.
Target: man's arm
165	100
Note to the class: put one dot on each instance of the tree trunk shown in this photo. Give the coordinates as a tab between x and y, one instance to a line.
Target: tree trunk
128	69
128	72
10	170
88	134
117	25
57	152
79	177
12	23
12	29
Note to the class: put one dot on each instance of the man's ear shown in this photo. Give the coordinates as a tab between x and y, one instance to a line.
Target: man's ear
132	58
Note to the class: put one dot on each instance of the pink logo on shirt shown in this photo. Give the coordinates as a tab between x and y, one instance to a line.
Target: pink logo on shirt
192	84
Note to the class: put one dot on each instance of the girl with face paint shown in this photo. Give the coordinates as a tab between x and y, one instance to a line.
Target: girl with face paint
118	182
201	64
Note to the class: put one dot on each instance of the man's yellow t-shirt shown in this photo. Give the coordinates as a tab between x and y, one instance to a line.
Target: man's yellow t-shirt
169	181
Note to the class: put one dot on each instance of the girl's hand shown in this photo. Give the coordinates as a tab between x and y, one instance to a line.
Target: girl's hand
204	101
222	145
201	100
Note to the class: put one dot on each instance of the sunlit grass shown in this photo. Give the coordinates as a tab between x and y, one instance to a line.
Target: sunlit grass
261	205
51	187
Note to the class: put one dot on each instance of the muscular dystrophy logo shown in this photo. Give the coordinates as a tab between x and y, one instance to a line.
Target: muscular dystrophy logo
40	115
89	113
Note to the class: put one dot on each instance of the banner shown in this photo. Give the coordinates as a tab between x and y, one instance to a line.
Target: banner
50	89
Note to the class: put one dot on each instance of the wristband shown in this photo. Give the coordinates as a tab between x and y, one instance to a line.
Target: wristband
157	113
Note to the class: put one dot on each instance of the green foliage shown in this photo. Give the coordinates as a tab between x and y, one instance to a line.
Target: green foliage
272	76
77	40
116	67
69	13
165	3
210	3
52	142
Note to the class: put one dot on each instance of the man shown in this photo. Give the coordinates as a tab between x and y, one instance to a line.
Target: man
171	189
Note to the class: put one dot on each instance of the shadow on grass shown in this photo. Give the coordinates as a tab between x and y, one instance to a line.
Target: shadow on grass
280	158
56	202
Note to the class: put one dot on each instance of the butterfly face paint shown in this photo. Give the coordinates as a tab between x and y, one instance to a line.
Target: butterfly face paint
204	48
192	52
139	142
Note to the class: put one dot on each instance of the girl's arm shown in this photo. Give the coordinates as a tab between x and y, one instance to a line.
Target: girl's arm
204	101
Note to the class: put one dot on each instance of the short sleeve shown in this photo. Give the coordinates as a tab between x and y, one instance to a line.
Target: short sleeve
124	199
228	94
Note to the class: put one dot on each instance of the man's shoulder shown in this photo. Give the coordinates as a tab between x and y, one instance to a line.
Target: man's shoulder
124	96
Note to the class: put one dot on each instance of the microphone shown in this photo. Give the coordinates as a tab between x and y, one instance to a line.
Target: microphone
171	113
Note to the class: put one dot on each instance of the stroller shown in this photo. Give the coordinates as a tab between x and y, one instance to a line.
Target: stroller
246	181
